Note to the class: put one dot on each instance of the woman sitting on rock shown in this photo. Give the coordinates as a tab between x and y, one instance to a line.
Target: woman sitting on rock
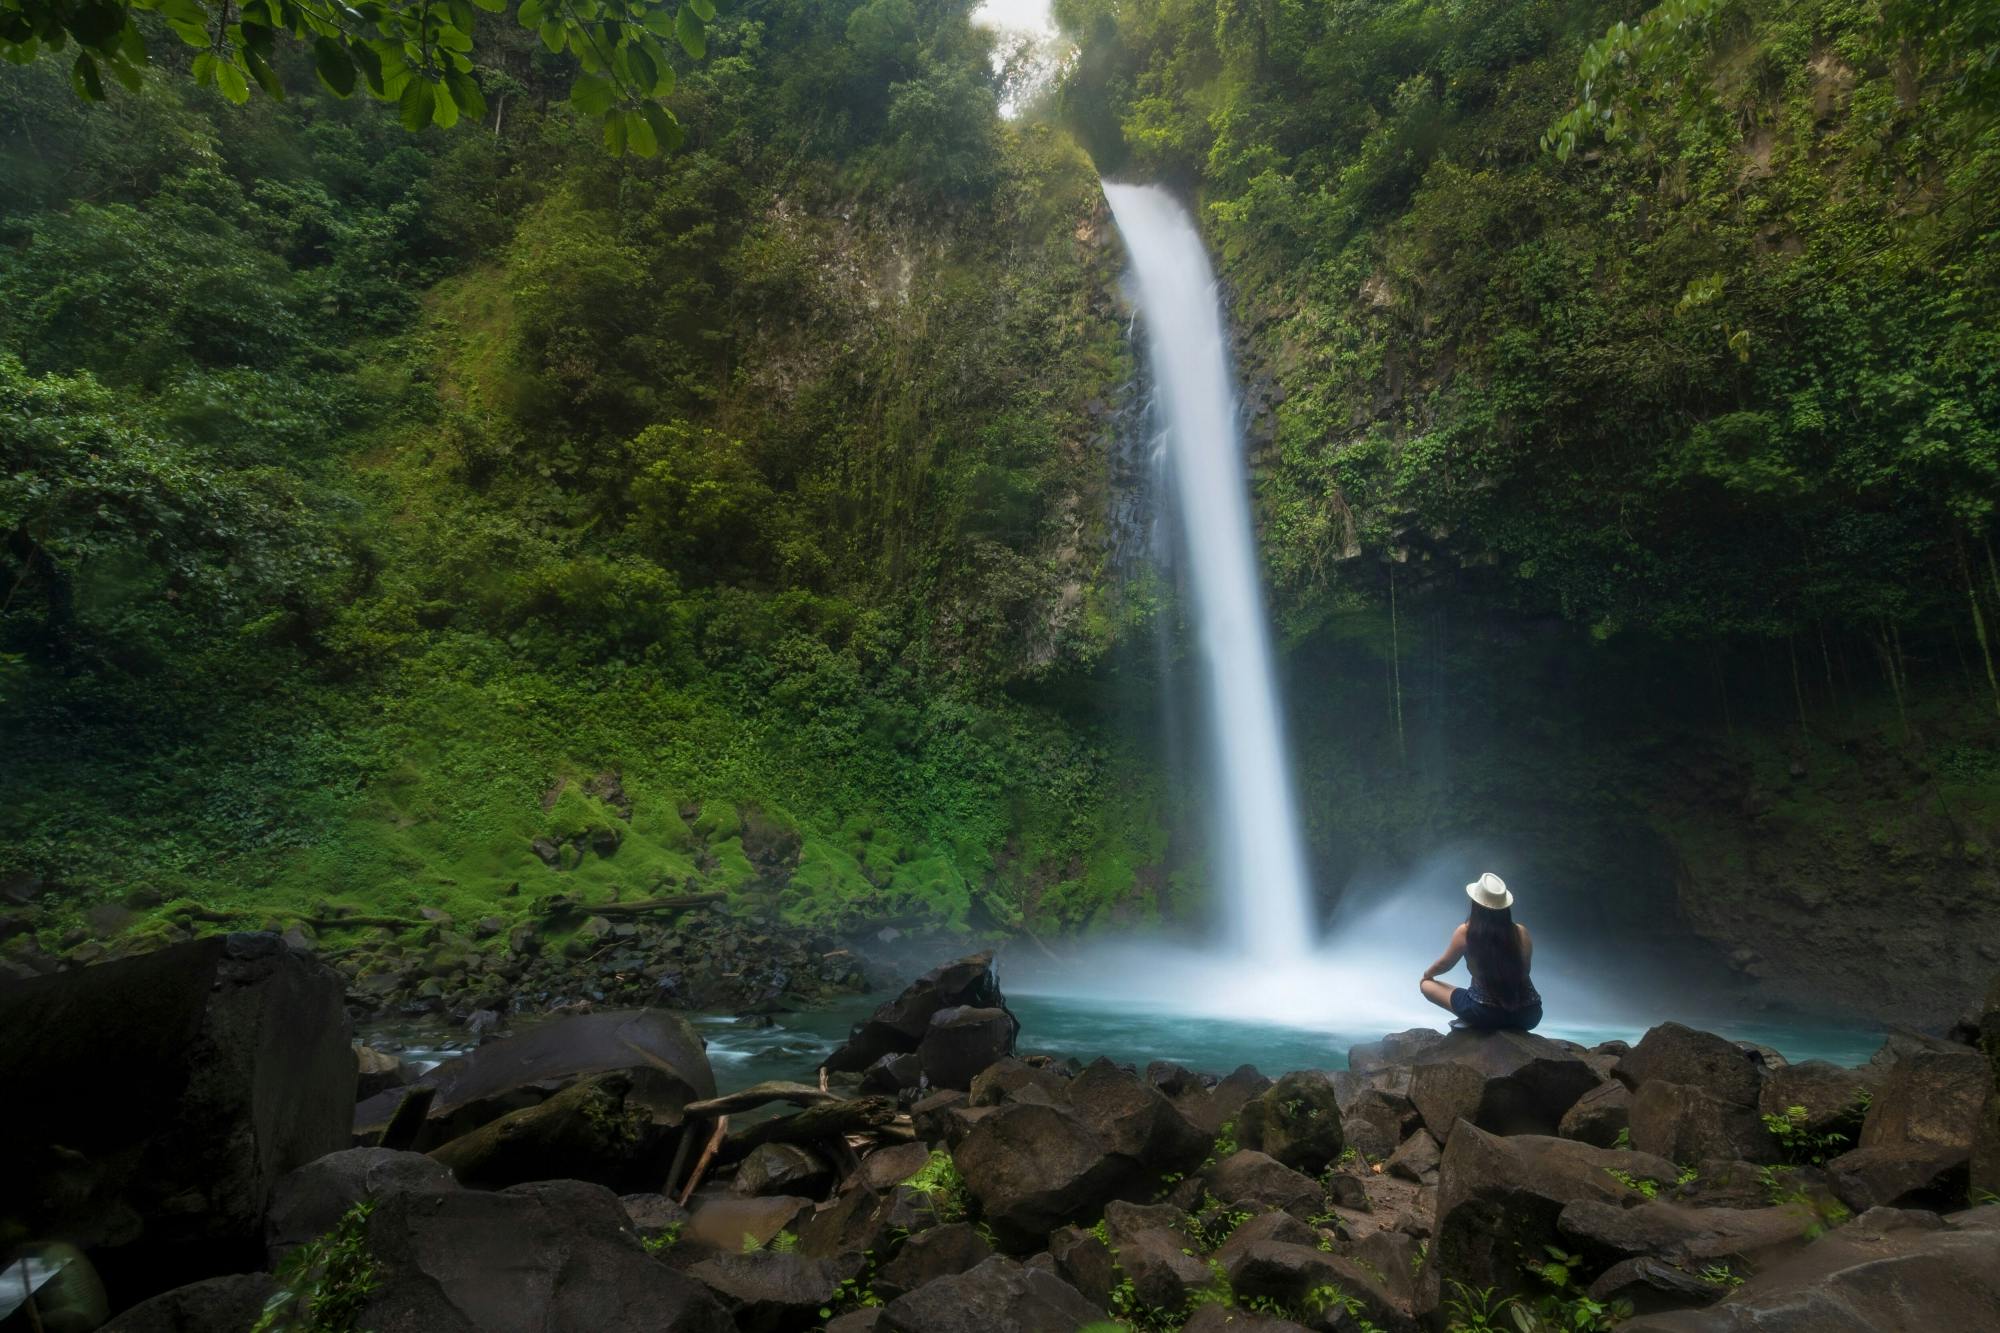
1497	954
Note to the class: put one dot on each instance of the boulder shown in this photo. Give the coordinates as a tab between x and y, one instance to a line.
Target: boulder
1501	1198
1297	1121
888	1167
1004	1077
1599	1116
1900	1175
310	1201
961	1041
1830	1094
1377	1120
1220	1105
1295	1276
654	1216
1274	1226
737	1224
1608	1232
557	1255
999	1296
768	1291
231	1066
931	1116
1124	1220
1033	1168
1651	1285
1930	1097
892	1073
1398	1048
1860	1280
1502	1082
1673	1053
1416	1160
899	1025
230	1304
1134	1119
1250	1179
1164	1275
865	1222
379	1071
1687	1124
1083	1260
656	1048
930	1255
787	1168
584	1132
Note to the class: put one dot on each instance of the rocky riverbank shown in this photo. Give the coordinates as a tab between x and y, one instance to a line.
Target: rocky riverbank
939	1175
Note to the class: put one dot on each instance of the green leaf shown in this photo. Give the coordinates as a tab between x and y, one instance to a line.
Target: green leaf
416	102
229	81
204	69
530	13
554	35
492	6
83	77
689	30
335	66
262	72
369	62
592	95
639	136
703	10
666	129
443	109
614	133
466	94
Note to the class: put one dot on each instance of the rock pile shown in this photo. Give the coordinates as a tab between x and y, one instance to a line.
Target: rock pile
934	1180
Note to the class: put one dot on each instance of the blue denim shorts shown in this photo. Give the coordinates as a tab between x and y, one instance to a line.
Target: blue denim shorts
1474	1014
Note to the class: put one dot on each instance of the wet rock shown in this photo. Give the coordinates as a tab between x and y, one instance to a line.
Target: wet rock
1250	1179
310	1201
770	1292
930	1255
1599	1116
212	1305
999	1296
379	1071
1001	1080
1932	1097
1674	1053
1686	1124
961	1041
1500	1198
1857	1281
892	1073
1900	1175
529	1259
1297	1121
900	1024
1417	1158
1162	1273
1502	1082
654	1215
930	1116
585	1132
1085	1262
1830	1095
891	1166
233	1067
1692	1237
1134	1119
528	1067
782	1168
1033	1168
737	1224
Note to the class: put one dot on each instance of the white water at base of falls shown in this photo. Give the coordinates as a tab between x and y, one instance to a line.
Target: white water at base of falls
1259	861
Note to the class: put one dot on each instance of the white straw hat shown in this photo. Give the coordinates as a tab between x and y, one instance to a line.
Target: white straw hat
1489	890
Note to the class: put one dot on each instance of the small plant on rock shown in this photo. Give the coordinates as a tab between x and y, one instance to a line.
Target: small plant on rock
1649	1188
669	1234
939	1181
323	1284
1804	1147
1478	1310
1568	1308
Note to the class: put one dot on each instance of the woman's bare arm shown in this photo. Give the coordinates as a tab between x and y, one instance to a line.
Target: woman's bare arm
1527	948
1449	958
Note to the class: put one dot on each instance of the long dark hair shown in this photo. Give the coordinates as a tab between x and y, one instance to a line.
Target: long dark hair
1493	955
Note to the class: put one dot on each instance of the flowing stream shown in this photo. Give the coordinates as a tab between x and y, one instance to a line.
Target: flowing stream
1259	859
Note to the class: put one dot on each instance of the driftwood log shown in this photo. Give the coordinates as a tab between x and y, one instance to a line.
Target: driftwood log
763	1094
829	1120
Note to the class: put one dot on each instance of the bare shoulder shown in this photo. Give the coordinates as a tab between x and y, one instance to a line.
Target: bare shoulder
1527	940
1458	936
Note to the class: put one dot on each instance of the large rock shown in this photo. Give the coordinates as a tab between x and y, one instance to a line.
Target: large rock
786	1168
1033	1168
1599	1116
1255	1180
1398	1048
1004	1078
1673	1053
1687	1124
554	1257
229	1304
899	1025
736	1224
1500	1199
1502	1082
1831	1095
584	1132
999	1296
1295	1276
1861	1279
1297	1121
1900	1175
154	1103
932	1254
961	1041
656	1048
1134	1119
1930	1097
771	1292
1692	1238
1376	1120
310	1201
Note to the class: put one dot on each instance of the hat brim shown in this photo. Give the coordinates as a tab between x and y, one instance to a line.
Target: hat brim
1479	896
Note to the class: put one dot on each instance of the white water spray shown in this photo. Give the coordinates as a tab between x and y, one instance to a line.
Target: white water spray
1259	860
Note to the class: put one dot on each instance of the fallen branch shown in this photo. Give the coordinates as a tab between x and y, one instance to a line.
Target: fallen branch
707	1156
762	1094
830	1120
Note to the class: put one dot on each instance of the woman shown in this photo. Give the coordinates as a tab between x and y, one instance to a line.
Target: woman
1497	954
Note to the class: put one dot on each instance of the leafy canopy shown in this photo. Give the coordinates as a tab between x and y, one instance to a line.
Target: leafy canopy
417	53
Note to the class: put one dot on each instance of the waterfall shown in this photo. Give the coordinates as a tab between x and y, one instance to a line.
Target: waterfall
1259	861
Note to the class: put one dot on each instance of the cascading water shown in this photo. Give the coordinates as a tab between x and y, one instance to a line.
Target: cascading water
1260	862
